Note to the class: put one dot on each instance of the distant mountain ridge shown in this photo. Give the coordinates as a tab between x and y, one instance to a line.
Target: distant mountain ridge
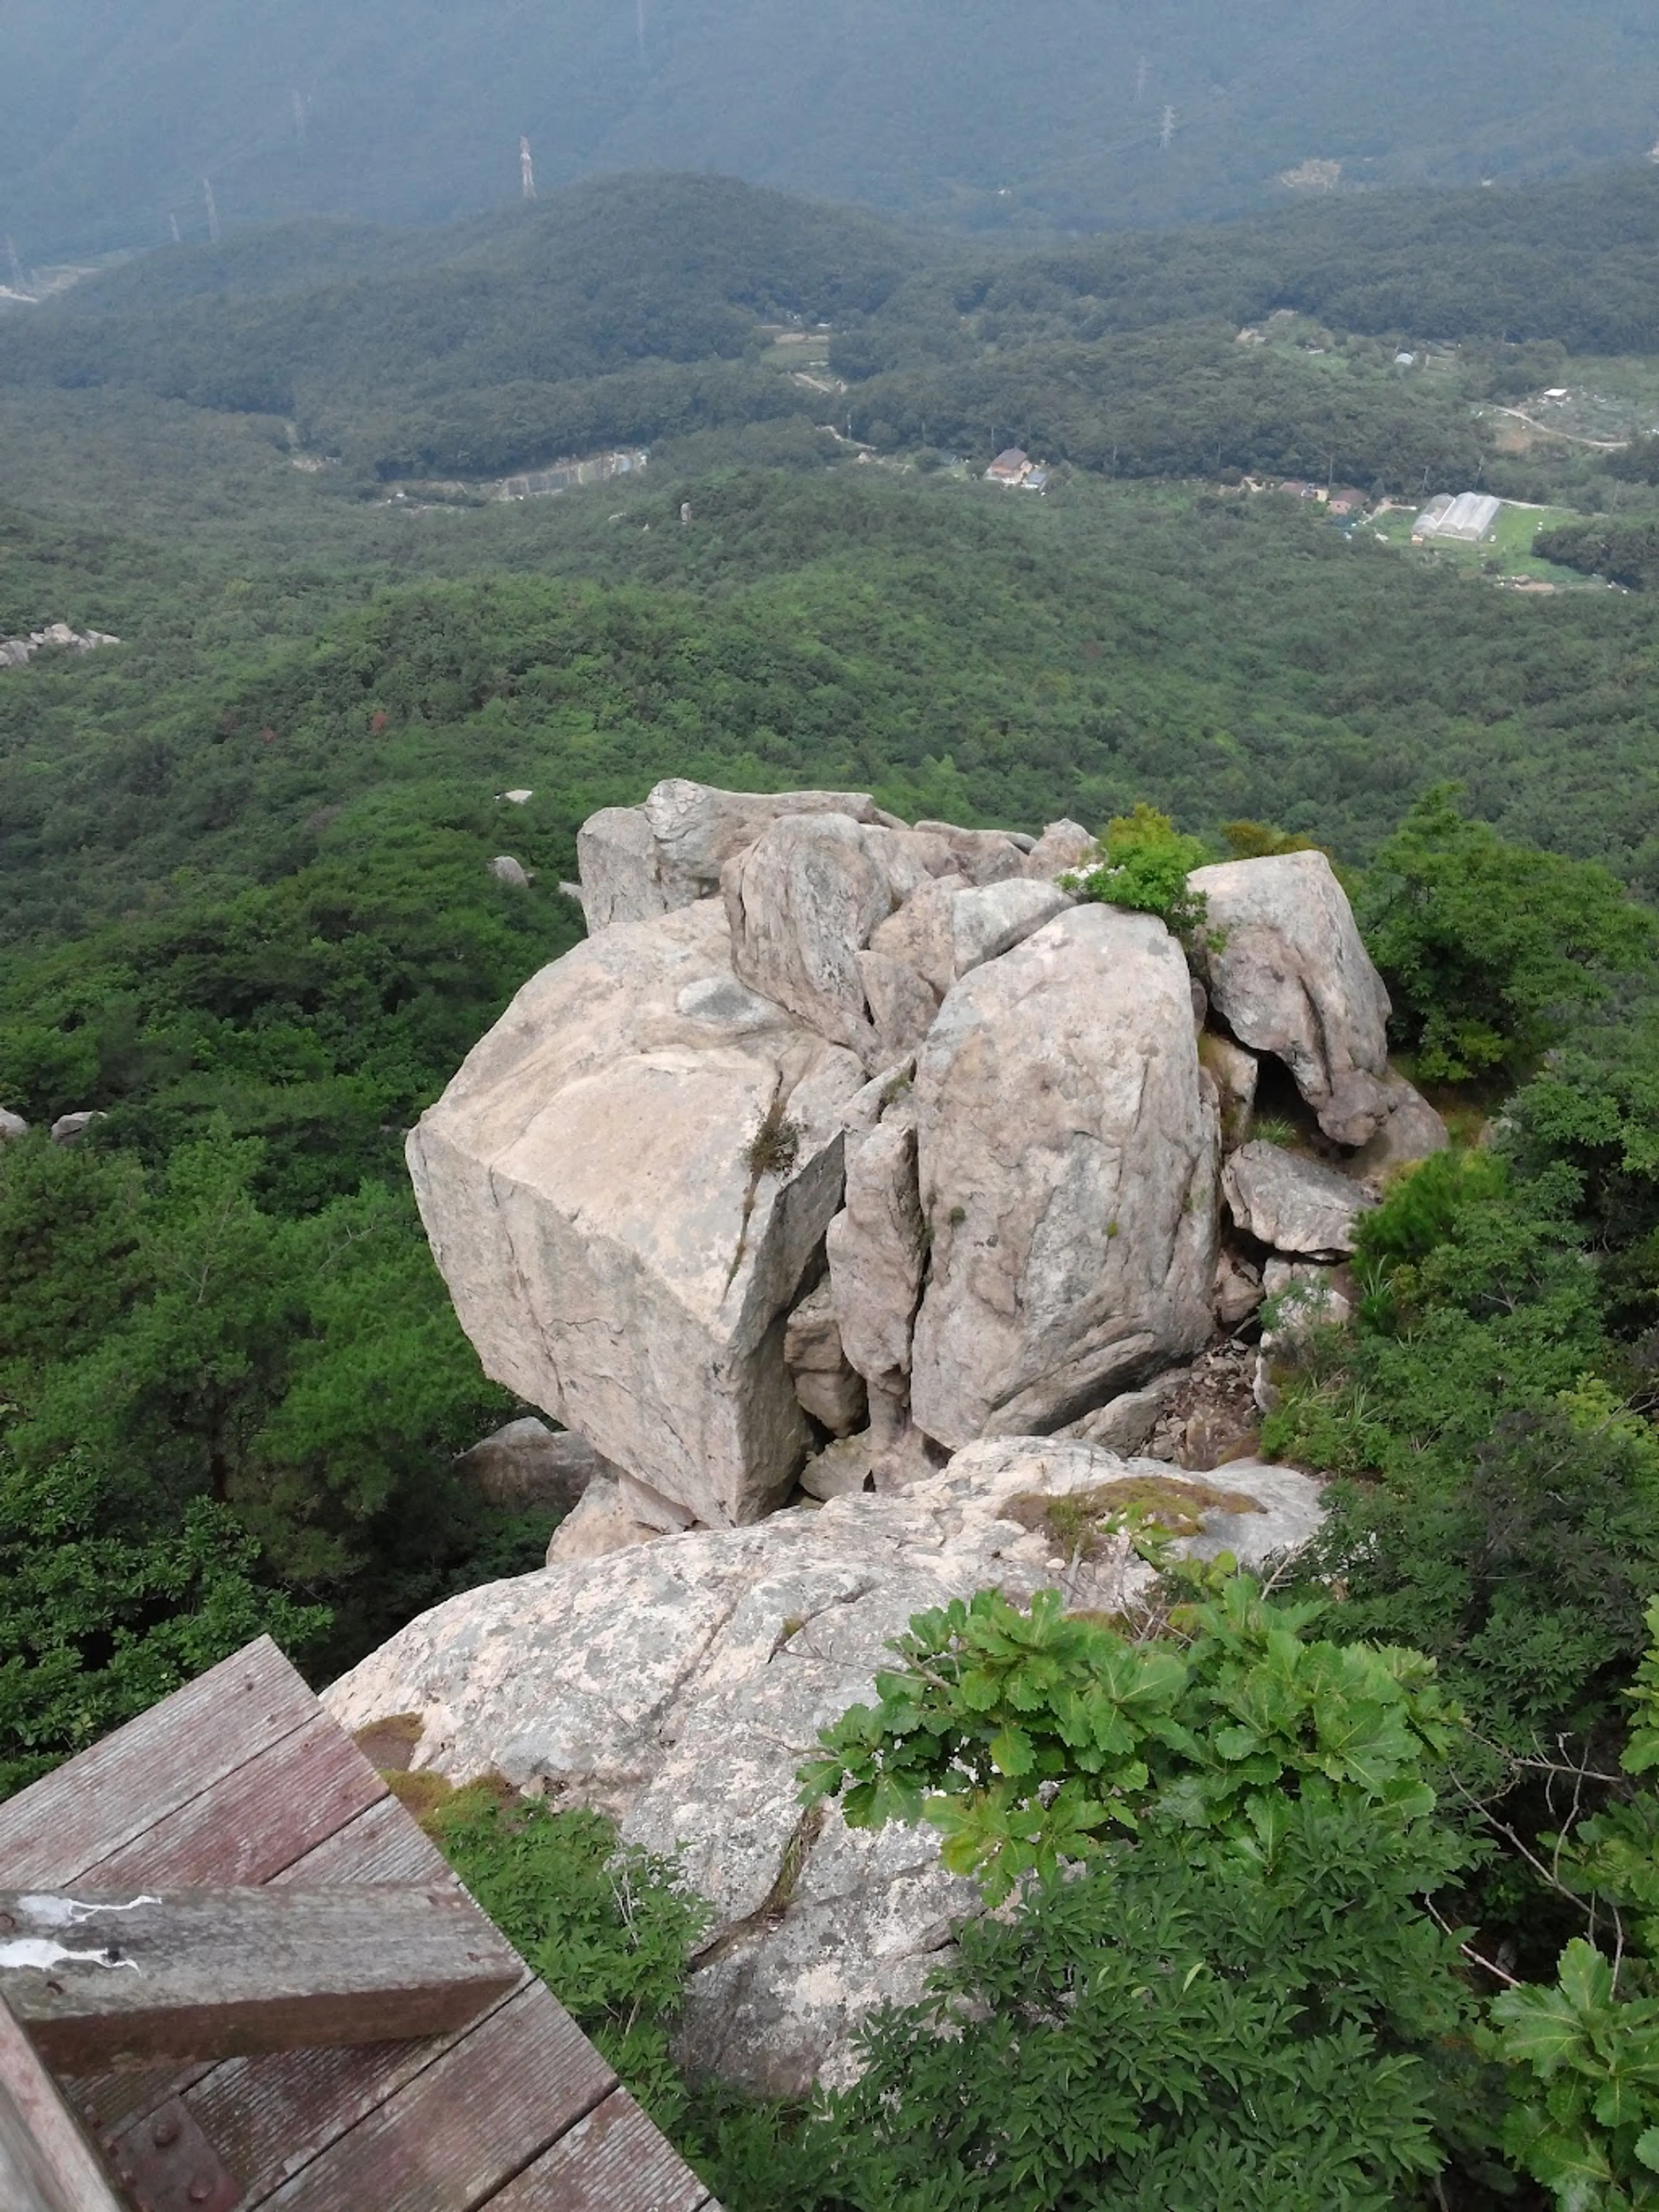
1052	115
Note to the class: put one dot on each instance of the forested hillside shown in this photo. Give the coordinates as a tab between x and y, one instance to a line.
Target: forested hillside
634	311
985	115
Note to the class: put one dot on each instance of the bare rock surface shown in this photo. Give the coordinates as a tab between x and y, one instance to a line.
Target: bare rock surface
600	1524
528	1468
990	921
611	1247
828	1386
1288	972
877	1257
803	903
1234	1073
1293	1204
11	1125
1066	1159
620	868
1413	1131
1064	849
637	861
678	1684
69	1129
984	856
1124	1423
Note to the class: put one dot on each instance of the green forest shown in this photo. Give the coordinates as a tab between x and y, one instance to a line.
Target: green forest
1372	1850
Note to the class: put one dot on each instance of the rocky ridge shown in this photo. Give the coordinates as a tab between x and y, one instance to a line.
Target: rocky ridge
841	1133
851	1156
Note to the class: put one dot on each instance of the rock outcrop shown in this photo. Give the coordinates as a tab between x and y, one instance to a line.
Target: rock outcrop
1287	970
678	1684
1292	1204
637	861
626	1187
11	1125
1066	1157
528	1468
15	652
890	1147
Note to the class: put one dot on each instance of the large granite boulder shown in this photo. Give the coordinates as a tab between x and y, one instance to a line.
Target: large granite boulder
1293	1204
1066	1154
1287	970
637	861
878	1255
803	903
626	1187
678	1684
528	1467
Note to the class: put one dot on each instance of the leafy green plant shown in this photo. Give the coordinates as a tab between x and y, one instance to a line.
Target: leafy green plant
609	1927
1582	2052
1026	1735
1276	2030
1212	1981
1145	864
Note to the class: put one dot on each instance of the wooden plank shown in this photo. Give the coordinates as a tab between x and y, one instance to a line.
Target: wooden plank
99	1980
258	1820
612	2162
382	1844
272	2117
465	2127
46	2164
86	1810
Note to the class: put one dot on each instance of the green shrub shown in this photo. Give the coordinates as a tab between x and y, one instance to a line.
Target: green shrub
1489	948
1146	866
1213	1983
610	1928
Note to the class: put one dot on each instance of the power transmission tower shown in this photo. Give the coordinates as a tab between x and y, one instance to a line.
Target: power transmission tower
1141	80
212	209
527	169
173	224
300	116
1166	130
18	283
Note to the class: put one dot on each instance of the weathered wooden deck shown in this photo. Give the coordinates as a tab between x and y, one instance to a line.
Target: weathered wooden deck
242	1780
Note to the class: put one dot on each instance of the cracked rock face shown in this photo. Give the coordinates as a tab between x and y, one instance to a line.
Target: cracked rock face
679	1684
1067	1152
637	861
612	1250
